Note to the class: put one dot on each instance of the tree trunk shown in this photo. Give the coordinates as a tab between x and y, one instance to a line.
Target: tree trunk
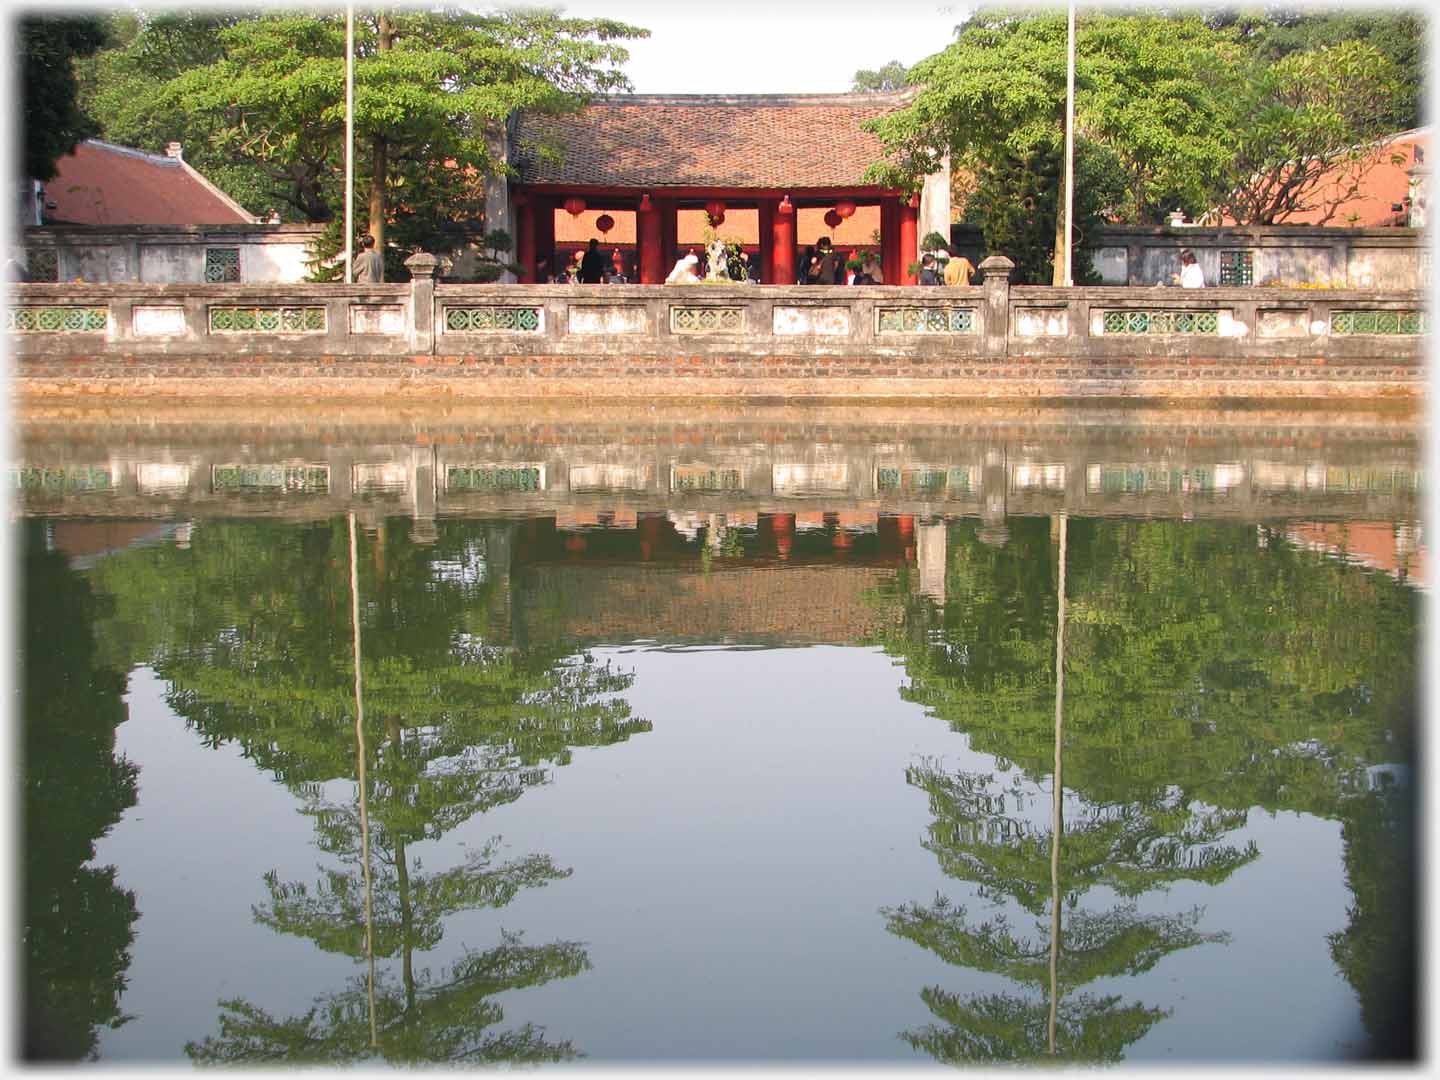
379	159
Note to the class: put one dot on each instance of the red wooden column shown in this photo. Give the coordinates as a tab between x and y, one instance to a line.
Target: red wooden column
890	240
767	239
909	238
782	239
545	232
525	240
647	238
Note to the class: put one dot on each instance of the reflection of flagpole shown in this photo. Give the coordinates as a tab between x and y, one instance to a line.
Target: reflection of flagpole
360	769
1056	790
349	132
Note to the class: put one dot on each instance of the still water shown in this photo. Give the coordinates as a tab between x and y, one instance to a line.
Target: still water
856	737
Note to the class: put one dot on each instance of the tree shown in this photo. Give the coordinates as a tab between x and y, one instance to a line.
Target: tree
120	83
889	77
52	121
431	91
1302	121
1399	35
995	100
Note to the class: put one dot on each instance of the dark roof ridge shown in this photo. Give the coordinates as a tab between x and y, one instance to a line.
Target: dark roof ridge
897	98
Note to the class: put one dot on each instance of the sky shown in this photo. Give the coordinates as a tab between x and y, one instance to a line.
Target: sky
775	47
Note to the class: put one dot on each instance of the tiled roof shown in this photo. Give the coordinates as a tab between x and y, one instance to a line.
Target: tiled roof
705	140
104	184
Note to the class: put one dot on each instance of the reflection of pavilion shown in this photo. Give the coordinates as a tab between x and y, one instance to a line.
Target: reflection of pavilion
733	577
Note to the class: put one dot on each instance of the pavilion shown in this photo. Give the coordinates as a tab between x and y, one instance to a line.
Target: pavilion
767	170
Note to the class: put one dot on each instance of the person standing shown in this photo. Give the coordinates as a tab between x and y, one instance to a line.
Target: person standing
959	271
831	270
592	265
928	276
1190	275
369	266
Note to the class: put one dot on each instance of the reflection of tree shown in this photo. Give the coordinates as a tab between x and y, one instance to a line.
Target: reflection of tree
1004	1027
78	922
1377	949
419	1017
452	725
1208	669
978	836
1201	657
444	1018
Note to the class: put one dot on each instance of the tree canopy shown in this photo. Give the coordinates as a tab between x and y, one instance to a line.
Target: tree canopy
264	94
52	119
1173	110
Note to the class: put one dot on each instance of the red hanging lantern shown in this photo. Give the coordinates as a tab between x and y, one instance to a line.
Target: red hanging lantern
845	208
786	207
574	206
604	223
715	209
833	218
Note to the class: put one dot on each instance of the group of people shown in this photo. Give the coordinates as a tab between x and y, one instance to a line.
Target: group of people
823	265
820	265
589	267
940	267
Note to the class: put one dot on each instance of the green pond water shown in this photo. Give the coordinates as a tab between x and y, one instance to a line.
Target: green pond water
718	742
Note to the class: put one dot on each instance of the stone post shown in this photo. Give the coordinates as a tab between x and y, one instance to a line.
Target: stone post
423	267
997	304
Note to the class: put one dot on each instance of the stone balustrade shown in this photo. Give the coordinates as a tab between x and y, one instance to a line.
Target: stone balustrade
990	339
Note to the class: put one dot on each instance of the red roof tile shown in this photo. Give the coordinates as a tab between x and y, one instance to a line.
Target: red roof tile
705	140
103	184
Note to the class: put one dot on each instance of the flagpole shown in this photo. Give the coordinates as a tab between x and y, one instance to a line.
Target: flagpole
349	133
1069	278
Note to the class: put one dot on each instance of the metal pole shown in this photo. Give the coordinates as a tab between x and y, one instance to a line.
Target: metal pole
349	134
1069	142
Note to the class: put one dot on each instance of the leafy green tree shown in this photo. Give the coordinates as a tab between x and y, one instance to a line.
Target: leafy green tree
120	83
1301	120
52	120
432	90
995	100
78	922
885	79
1274	33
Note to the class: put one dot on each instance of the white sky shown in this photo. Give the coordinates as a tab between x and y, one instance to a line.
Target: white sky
775	47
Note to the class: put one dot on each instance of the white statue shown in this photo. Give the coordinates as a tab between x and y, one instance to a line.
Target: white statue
719	269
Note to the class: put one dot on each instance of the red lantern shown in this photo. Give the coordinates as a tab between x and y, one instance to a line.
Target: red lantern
833	219
716	211
845	208
604	223
574	206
